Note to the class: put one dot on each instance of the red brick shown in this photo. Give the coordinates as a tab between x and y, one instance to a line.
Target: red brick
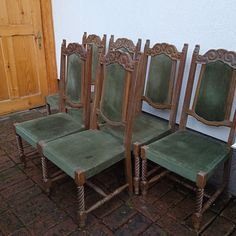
14	189
155	230
135	226
219	227
230	211
63	228
119	217
21	232
169	224
10	177
9	223
147	209
36	208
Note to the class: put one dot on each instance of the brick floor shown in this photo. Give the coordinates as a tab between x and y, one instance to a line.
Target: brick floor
26	210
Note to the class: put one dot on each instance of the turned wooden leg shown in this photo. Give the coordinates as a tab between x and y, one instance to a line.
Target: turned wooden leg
197	216
46	180
48	109
80	181
81	206
20	149
137	168
144	182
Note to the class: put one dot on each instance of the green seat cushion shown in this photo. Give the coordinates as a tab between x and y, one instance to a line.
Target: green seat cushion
53	101
90	150
146	129
48	128
186	153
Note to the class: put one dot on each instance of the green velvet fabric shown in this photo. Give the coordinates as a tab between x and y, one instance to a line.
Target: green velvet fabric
74	76
113	92
76	114
215	85
48	128
159	79
91	151
94	61
146	129
53	101
186	153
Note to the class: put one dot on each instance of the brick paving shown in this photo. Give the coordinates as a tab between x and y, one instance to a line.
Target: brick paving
26	210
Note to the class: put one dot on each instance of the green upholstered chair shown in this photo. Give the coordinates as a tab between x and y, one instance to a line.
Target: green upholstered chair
163	79
98	46
125	45
196	156
76	61
83	155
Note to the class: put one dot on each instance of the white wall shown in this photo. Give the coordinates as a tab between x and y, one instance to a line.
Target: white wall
208	23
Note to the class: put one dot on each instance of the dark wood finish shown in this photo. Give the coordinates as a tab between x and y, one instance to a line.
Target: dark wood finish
228	58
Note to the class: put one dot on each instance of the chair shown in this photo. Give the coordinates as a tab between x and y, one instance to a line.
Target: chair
195	156
83	155
77	62
98	46
125	45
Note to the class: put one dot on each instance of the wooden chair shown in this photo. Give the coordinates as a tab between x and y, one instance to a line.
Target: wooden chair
83	155
98	46
77	62
193	155
125	45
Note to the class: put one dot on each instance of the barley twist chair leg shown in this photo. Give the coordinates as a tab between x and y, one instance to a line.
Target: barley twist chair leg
144	183
20	149
137	169
46	180
197	216
81	206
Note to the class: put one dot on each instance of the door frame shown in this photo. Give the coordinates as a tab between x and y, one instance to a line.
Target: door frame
49	45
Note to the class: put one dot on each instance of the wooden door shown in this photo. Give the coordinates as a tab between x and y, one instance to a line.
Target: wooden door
23	76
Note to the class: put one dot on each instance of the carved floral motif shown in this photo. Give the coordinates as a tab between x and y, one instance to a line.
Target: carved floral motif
164	48
123	43
75	48
122	58
228	57
93	38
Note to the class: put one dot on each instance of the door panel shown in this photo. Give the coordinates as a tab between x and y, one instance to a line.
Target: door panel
4	93
22	67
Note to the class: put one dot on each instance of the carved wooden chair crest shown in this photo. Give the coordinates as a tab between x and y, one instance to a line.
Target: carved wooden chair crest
82	155
98	46
192	155
125	45
76	60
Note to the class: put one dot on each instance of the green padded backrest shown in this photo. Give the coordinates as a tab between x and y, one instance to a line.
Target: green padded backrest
213	91
113	92
94	61
159	79
74	77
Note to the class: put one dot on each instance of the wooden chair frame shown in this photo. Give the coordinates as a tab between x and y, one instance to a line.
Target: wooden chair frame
131	67
227	57
127	44
88	40
174	91
85	55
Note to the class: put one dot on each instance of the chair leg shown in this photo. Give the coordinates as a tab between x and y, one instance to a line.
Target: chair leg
226	173
144	182
81	206
46	180
137	168
197	216
48	109
20	149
